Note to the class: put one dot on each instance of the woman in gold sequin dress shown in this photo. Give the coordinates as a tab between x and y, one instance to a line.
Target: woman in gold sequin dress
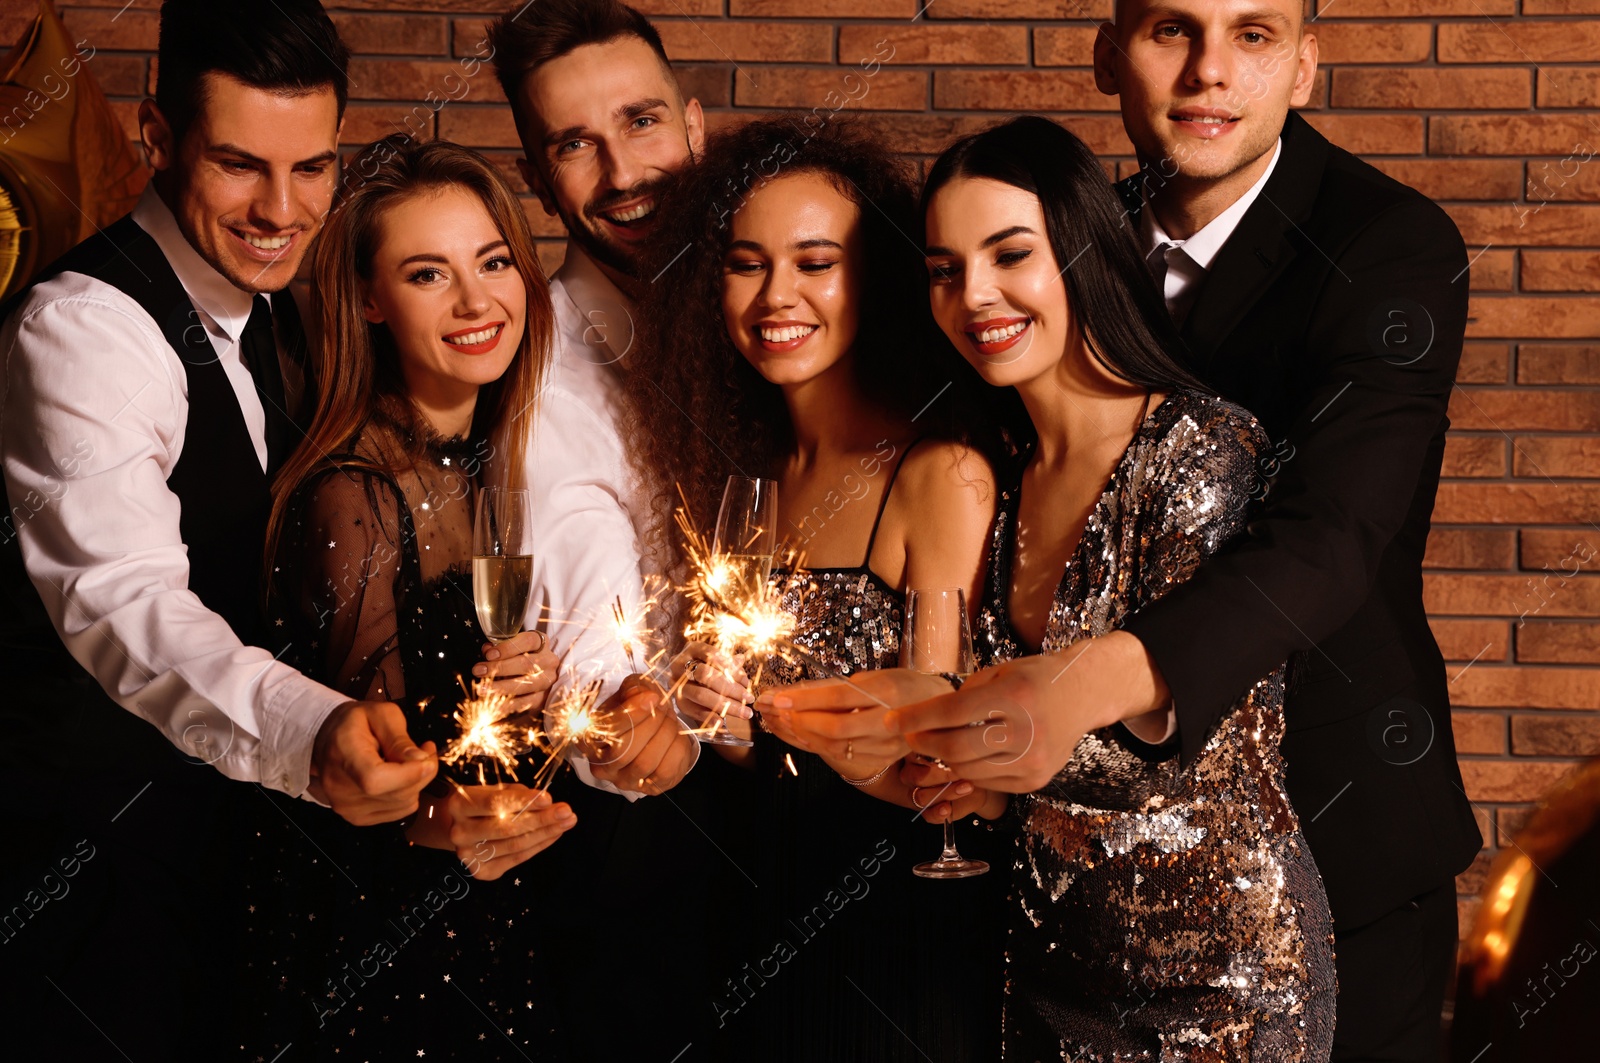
796	345
1161	910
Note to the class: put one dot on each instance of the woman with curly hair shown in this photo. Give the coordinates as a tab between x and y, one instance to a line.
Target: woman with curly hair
788	337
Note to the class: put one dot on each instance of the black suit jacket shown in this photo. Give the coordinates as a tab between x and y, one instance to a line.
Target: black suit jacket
1334	313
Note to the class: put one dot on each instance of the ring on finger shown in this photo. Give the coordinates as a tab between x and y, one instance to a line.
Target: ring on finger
849	751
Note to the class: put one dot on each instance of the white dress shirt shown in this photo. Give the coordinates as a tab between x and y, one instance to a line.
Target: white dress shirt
1186	261
590	513
93	410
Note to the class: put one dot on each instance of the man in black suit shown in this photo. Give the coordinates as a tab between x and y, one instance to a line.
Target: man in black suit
1330	301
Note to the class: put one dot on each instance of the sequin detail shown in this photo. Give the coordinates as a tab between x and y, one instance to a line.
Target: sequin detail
1162	911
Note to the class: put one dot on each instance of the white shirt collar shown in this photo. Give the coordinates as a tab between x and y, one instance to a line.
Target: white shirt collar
1203	247
226	307
603	314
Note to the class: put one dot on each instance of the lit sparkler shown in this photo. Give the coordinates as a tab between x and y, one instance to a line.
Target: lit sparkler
492	733
572	716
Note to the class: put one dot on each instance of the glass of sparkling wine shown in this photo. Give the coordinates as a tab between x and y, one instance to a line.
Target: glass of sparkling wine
502	560
938	640
746	539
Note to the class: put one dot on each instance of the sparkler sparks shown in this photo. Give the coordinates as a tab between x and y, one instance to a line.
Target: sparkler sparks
572	716
492	733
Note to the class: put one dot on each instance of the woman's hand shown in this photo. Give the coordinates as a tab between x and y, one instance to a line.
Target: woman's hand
716	684
491	828
844	719
943	798
521	668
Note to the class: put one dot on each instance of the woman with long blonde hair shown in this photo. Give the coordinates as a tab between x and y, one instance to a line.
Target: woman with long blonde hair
435	324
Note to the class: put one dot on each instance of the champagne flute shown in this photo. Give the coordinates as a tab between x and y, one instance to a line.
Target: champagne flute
938	641
502	560
746	539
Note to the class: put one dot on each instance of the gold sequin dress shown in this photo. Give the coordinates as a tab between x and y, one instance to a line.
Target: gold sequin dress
1161	910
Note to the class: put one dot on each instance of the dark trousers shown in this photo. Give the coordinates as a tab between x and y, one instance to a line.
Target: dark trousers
1393	974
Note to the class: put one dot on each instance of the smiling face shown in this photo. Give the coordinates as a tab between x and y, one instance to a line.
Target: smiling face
606	132
1205	85
443	282
993	280
252	178
792	278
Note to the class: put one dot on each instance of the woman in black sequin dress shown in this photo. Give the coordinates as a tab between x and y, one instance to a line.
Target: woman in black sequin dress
796	346
421	941
1160	910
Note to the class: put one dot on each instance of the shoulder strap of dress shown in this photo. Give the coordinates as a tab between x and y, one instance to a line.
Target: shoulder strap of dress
883	503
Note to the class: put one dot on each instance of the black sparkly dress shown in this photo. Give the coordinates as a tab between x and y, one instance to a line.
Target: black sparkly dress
360	945
1161	910
882	965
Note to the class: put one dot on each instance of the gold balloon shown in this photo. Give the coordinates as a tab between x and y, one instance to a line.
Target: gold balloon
67	167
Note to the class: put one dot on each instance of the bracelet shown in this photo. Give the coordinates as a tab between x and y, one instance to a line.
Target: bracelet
870	779
953	679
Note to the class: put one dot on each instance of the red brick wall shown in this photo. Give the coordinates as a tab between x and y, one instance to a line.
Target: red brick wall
1490	106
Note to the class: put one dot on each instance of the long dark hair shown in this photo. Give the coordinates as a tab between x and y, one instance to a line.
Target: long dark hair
699	410
1113	298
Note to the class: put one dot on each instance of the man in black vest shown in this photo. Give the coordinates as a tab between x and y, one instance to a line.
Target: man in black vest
1331	302
150	380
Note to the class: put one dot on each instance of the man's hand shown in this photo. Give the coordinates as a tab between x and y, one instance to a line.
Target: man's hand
366	767
1012	727
522	668
648	751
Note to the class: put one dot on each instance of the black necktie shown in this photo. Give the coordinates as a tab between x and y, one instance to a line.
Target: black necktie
260	352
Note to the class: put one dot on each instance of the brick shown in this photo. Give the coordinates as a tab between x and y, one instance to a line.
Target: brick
479	127
106	31
1544	594
1064	45
415	79
1093	10
1539	363
710	83
1510	821
923	134
1470	881
1550	317
551	255
1568	86
745	42
1471	548
1372	134
806	87
122	75
1561	271
366	122
1511	409
1457	178
1573	178
1530	780
1555	736
1529	134
1556	457
1433	88
922	43
1471	640
393	34
1483	363
1493	271
1479	732
905	9
1410	9
1561	7
1525	502
469	36
1019	90
1555	642
1474	457
1558	549
1518	41
1373	42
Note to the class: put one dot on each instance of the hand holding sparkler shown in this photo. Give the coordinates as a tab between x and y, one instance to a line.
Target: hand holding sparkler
491	828
708	681
365	765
